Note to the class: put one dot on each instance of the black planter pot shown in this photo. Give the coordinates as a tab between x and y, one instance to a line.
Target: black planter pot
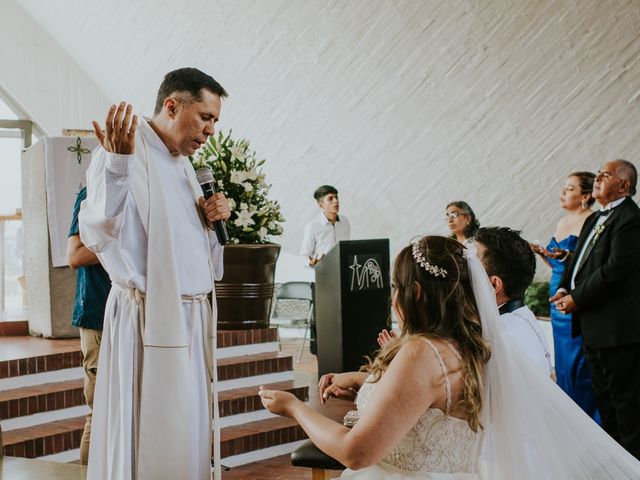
245	292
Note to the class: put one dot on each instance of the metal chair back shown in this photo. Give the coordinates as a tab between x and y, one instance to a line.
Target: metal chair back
295	291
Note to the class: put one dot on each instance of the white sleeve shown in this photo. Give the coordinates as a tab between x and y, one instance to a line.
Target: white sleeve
102	213
308	242
217	256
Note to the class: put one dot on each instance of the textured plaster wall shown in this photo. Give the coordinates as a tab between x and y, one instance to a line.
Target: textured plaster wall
40	77
403	105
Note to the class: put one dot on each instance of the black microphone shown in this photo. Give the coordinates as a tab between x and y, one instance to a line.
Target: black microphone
204	176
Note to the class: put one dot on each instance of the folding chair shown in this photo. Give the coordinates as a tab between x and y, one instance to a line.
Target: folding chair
294	291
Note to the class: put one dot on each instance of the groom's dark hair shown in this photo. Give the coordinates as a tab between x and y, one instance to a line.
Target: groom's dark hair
509	257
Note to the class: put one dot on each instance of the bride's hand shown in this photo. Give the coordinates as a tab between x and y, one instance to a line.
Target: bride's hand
339	385
385	336
277	401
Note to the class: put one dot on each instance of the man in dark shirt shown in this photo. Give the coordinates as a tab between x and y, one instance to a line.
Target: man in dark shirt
92	289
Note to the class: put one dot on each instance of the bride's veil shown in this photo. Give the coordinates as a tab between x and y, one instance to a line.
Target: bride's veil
532	429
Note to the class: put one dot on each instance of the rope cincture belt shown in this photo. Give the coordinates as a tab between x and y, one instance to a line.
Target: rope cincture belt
198	299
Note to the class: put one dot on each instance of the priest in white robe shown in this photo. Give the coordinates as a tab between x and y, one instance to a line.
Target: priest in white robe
146	219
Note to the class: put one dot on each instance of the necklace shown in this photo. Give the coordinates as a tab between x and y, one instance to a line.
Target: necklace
547	354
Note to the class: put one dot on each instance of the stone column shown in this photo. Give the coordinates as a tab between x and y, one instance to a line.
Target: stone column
51	290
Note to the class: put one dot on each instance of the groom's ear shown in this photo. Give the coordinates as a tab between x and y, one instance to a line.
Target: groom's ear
496	283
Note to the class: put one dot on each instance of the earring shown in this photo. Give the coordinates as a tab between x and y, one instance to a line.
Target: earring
584	204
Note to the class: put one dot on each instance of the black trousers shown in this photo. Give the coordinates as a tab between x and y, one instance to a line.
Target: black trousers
615	372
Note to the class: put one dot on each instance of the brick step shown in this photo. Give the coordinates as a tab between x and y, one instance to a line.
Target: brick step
28	355
258	435
40	364
45	439
252	365
55	396
14	328
47	397
234	338
23	355
245	400
62	435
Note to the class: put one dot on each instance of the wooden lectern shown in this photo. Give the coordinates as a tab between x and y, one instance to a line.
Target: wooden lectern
352	303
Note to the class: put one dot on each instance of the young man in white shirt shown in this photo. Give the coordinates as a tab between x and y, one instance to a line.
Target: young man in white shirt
511	265
327	229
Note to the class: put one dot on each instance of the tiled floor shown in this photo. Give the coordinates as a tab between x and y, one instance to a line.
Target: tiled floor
278	468
12	468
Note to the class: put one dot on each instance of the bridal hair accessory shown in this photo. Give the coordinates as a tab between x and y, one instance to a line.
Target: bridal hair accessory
420	260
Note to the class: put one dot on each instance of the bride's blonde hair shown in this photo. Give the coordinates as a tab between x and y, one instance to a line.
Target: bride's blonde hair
446	310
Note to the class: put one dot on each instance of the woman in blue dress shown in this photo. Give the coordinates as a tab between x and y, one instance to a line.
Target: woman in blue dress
572	370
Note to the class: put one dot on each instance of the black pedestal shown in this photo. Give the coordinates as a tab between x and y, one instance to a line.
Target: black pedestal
352	303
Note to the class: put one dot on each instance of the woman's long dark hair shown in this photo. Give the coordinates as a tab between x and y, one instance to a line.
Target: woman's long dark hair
446	310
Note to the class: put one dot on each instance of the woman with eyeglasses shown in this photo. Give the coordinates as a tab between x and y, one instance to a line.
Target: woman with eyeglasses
462	222
572	370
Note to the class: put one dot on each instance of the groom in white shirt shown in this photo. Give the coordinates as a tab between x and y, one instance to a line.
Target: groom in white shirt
511	265
147	221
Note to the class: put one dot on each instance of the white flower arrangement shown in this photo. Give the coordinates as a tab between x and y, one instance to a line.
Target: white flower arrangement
237	173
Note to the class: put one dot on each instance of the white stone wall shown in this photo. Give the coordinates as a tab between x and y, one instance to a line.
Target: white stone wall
42	81
402	105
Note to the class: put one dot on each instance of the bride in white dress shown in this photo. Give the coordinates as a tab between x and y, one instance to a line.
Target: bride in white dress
450	399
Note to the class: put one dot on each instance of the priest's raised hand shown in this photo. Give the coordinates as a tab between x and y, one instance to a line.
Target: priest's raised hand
120	130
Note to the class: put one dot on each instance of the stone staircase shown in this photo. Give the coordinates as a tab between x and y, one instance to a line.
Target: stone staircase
42	404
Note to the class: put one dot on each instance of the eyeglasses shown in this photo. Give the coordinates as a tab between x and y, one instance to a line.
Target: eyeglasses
452	215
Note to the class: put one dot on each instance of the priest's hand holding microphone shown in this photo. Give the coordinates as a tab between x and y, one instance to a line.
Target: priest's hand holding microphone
214	205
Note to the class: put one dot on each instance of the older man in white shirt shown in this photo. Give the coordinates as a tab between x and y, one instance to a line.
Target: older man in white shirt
327	229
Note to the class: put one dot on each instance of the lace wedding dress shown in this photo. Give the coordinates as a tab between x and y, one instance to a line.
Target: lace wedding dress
438	447
532	429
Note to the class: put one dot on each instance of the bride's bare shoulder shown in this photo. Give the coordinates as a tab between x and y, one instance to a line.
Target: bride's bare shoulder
422	352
